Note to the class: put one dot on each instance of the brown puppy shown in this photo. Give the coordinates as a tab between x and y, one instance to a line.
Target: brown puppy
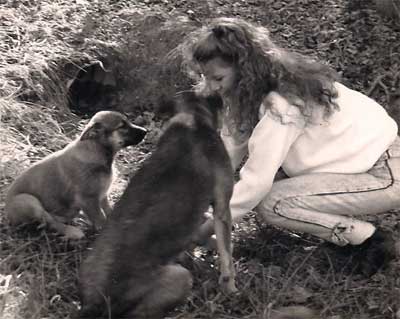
75	178
131	271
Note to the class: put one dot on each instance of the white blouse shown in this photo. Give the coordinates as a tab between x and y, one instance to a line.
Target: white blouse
350	141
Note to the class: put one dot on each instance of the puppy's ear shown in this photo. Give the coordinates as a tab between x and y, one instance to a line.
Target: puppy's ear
166	107
91	132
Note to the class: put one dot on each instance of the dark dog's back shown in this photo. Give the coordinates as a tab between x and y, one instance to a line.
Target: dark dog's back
156	216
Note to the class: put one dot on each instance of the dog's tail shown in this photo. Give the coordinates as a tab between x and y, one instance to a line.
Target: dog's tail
120	310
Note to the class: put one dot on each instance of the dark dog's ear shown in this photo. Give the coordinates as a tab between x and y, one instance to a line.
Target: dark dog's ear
166	107
91	132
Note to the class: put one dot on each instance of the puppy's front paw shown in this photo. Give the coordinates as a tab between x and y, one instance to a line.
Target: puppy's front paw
74	233
227	284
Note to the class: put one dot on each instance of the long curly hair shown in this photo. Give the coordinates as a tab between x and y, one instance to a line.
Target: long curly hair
261	67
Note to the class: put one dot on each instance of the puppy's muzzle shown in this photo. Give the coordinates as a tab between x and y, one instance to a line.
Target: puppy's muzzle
135	135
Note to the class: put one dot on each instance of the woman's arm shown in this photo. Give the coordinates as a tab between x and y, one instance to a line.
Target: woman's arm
268	147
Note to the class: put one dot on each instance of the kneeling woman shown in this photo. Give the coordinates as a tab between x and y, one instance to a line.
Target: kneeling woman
338	147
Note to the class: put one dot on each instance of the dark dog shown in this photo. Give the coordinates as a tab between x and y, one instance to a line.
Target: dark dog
131	271
75	178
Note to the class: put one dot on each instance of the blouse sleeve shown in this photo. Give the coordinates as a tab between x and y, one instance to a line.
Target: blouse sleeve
268	147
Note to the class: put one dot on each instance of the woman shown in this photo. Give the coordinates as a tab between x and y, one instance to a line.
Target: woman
338	148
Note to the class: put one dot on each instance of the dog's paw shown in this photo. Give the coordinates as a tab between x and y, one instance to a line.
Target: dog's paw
227	284
74	233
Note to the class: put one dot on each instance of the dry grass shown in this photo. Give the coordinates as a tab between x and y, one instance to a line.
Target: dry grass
38	39
43	43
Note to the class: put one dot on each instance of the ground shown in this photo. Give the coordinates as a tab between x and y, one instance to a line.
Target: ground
58	56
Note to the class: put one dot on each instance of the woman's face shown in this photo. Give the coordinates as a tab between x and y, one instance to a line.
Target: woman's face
219	76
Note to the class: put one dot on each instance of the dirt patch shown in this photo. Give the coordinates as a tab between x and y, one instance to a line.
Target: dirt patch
133	77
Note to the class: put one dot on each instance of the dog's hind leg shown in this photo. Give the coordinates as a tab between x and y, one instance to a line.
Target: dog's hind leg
26	208
168	290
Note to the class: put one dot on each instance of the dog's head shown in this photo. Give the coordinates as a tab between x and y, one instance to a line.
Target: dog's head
113	129
187	106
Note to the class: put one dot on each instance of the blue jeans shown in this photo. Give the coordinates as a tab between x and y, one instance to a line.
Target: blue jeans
327	205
